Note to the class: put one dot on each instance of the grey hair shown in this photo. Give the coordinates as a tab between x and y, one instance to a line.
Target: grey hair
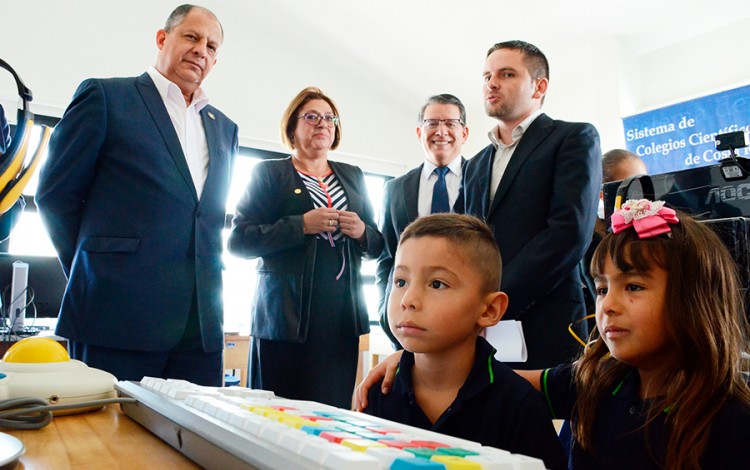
443	98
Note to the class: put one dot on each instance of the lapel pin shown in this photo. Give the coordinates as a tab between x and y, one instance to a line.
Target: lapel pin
211	115
297	191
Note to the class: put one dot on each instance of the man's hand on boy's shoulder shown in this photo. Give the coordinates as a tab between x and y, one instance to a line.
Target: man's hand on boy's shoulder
385	370
534	377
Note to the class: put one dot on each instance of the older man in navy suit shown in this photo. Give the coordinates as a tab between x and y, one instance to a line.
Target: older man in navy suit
133	195
431	187
537	185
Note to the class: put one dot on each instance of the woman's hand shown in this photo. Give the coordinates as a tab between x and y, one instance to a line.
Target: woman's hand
386	370
319	220
351	225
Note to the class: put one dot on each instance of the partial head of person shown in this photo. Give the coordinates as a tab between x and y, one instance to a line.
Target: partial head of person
446	282
188	46
441	128
311	123
619	164
669	305
516	76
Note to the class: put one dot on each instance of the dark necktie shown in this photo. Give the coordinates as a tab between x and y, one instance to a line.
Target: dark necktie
440	192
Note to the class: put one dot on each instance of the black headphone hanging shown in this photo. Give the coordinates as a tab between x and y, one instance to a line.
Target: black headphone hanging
647	189
14	175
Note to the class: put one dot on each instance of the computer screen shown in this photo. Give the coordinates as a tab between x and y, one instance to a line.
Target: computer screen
45	277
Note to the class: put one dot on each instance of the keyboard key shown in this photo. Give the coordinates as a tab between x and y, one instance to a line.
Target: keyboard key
429	444
416	463
507	462
318	430
453	462
398	444
254	424
337	437
457	451
421	452
293	440
360	445
386	455
317	449
247	393
349	460
240	419
273	432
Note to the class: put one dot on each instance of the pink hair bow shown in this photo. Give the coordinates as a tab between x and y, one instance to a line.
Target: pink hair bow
648	218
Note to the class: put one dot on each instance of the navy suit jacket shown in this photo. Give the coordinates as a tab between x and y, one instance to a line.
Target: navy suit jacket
542	217
134	239
400	208
268	224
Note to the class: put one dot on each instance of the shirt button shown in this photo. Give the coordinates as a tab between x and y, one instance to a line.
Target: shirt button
633	410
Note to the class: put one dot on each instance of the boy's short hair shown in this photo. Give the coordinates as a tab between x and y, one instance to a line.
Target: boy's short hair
468	234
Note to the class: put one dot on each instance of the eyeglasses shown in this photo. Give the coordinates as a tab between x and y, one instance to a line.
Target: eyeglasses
313	119
449	123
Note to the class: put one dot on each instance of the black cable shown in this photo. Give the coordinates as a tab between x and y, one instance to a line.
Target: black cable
36	413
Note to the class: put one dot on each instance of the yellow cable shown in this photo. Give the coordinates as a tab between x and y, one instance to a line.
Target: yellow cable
578	338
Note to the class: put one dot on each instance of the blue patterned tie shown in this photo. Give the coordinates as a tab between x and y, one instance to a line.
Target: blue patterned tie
440	192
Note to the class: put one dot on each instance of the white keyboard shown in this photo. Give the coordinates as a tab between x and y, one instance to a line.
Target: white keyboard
235	427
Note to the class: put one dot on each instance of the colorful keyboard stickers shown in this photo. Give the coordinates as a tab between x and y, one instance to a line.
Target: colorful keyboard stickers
235	427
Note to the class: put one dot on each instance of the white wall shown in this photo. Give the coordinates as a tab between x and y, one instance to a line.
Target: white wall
55	45
706	64
268	57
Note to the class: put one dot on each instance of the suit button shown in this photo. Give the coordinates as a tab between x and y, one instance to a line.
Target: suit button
198	214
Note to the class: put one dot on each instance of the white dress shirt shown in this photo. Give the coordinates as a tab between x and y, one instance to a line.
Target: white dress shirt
188	125
504	152
427	182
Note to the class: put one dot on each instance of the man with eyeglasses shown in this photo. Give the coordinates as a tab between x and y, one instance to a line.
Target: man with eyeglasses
537	185
133	195
431	187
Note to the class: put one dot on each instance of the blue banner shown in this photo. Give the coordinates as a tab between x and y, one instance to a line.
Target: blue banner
682	136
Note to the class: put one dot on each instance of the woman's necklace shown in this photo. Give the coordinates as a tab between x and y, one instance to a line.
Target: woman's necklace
319	175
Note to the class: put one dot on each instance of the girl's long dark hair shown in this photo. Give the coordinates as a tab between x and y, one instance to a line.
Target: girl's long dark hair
706	318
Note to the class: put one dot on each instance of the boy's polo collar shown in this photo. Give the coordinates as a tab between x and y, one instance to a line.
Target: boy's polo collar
480	377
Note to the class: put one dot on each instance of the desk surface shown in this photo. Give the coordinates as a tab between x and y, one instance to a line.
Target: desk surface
104	439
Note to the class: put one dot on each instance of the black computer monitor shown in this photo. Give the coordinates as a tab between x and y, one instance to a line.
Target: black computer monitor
46	278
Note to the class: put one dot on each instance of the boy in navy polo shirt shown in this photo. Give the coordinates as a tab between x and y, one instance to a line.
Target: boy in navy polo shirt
445	292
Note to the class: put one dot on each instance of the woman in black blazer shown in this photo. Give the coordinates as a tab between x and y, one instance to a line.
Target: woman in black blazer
310	222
